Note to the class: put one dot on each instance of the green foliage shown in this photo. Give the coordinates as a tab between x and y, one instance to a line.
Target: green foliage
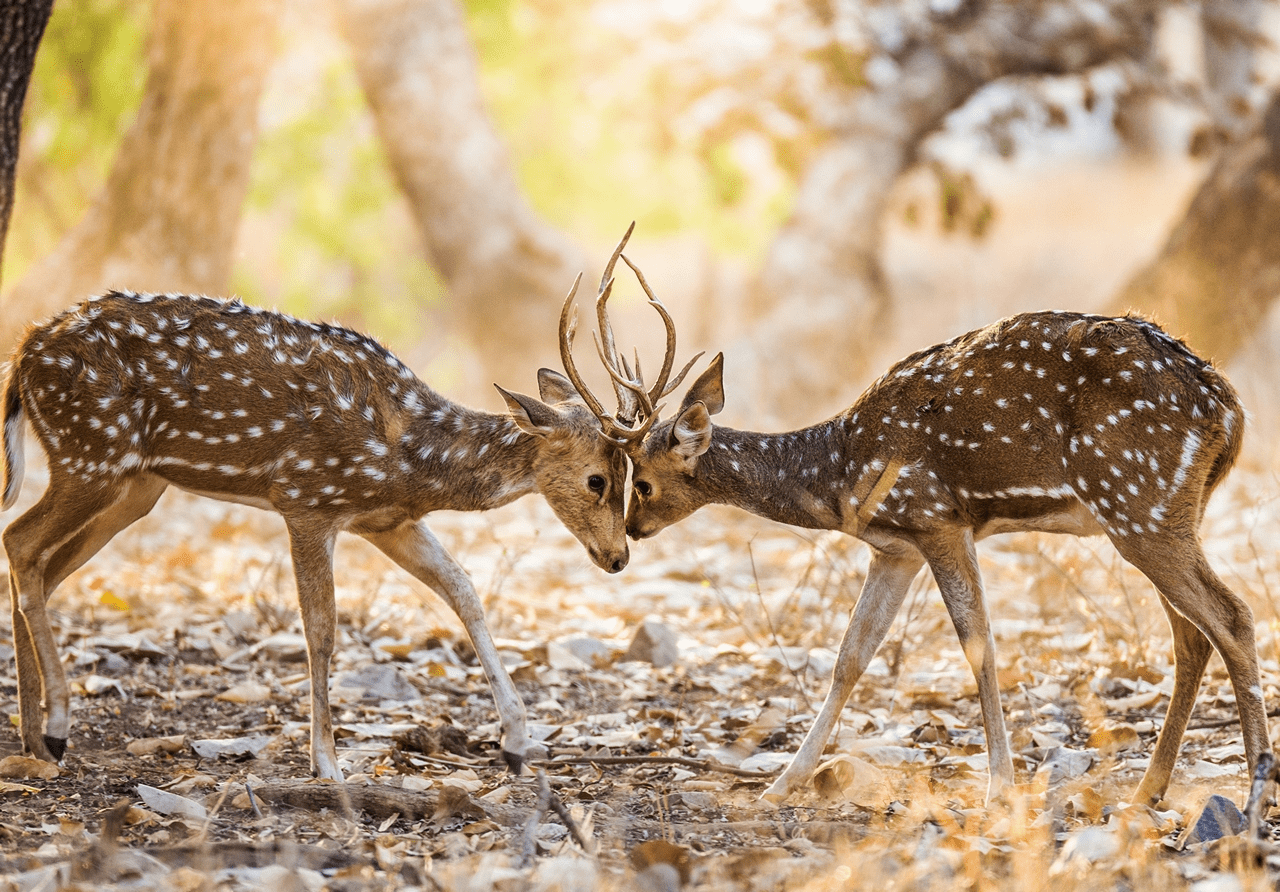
336	238
590	137
84	93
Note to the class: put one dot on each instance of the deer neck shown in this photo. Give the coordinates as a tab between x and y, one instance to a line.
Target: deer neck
467	459
795	478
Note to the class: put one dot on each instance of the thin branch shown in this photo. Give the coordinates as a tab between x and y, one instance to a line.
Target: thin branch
700	764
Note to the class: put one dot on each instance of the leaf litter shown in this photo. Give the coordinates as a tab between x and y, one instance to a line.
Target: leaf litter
667	696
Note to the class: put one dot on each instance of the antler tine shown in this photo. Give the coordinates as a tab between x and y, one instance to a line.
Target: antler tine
680	377
613	258
660	388
609	355
635	387
568	325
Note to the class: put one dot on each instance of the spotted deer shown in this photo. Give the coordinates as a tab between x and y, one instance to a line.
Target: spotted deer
1050	421
130	393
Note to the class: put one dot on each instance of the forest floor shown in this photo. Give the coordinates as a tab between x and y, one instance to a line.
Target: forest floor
185	631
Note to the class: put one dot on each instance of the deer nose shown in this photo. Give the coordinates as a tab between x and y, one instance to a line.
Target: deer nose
617	565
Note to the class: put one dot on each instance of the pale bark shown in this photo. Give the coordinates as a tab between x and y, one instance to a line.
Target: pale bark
506	270
1218	275
22	24
822	282
1230	31
166	218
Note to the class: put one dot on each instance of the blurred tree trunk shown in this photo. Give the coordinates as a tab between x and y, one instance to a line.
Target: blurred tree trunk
21	27
166	219
1230	32
506	270
822	285
1218	274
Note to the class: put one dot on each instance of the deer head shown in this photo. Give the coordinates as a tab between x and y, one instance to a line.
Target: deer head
580	473
665	483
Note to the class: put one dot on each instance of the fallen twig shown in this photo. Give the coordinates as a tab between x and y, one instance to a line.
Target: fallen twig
700	764
562	812
530	848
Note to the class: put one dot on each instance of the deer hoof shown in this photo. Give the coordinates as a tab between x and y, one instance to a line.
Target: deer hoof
57	746
529	752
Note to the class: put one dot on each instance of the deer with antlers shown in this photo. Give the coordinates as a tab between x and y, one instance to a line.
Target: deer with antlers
131	393
1050	421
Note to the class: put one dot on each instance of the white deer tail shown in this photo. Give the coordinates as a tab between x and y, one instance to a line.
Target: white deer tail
12	464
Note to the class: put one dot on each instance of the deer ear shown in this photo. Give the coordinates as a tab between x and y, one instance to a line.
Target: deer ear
691	434
554	387
531	416
709	388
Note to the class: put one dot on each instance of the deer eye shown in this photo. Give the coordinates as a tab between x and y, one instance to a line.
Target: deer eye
595	483
643	487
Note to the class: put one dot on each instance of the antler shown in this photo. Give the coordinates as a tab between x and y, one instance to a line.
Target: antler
628	435
660	387
628	405
637	409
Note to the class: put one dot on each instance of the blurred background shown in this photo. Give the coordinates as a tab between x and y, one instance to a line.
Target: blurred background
820	186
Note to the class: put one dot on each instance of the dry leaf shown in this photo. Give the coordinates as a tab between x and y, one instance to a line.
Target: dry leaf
246	692
148	746
27	768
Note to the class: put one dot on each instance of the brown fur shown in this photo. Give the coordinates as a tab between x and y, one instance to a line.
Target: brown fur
1058	422
131	393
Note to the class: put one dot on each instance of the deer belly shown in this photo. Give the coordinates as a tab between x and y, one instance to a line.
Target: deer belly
1065	514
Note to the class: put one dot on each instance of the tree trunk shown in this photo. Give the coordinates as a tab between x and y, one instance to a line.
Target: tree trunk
21	27
166	219
1230	31
1217	276
506	270
822	284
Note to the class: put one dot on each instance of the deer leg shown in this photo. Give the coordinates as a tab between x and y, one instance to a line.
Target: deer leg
32	543
137	503
882	595
1191	652
30	716
415	548
1180	571
954	563
311	548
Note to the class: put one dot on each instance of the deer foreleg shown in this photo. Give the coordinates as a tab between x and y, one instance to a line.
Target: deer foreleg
413	547
312	552
882	595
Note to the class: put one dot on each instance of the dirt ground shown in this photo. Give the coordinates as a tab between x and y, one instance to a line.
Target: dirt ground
185	630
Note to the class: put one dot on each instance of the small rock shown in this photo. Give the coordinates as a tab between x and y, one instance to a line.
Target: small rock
698	801
376	681
1061	763
1085	847
592	651
1218	817
655	643
232	746
288	647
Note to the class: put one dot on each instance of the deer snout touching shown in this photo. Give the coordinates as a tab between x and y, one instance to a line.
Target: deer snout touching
639	530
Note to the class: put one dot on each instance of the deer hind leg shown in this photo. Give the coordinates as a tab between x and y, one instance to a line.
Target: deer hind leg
311	547
954	563
882	595
413	547
1191	652
44	545
1178	568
